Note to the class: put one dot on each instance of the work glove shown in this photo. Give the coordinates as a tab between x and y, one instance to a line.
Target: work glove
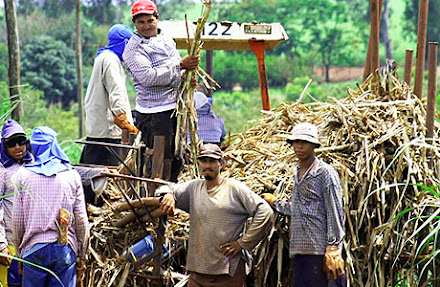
269	197
122	122
333	263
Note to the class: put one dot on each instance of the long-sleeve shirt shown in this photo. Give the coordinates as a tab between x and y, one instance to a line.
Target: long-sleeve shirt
106	97
37	205
316	211
6	204
154	65
8	188
218	216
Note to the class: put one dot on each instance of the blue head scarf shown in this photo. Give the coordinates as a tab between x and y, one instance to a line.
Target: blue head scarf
49	157
11	129
118	37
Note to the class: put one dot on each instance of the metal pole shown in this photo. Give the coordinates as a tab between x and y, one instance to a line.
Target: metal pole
421	47
258	48
408	66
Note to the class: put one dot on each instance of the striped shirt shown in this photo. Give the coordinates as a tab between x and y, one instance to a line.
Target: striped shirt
316	211
218	216
154	65
37	205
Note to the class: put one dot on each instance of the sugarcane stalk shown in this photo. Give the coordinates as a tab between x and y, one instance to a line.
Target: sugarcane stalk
185	101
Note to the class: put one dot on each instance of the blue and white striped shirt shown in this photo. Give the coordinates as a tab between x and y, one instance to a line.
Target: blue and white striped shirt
316	211
154	65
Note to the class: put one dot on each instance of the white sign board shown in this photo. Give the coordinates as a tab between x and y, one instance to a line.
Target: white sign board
226	35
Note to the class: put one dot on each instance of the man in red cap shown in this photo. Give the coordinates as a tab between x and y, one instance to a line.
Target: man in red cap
156	67
219	207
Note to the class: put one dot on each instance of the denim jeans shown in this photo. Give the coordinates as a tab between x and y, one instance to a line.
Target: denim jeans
60	259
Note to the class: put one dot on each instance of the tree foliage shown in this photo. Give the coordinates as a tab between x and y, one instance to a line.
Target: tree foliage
49	65
412	15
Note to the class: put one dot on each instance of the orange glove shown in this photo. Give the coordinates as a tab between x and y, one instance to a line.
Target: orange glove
333	263
122	122
269	197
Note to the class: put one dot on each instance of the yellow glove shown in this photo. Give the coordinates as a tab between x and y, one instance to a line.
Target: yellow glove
122	122
269	197
333	263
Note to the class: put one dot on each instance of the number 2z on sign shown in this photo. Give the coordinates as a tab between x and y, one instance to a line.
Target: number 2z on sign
216	29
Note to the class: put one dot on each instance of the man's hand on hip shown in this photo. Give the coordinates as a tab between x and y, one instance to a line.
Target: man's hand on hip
231	249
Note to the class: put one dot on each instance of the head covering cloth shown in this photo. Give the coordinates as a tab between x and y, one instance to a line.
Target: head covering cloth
13	129
49	157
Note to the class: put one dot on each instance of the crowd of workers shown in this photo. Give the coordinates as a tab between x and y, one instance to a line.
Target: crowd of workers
44	230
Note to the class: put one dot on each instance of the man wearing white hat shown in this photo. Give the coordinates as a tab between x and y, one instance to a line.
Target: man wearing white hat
316	211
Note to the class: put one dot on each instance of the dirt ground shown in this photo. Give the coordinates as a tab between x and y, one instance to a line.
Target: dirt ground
340	74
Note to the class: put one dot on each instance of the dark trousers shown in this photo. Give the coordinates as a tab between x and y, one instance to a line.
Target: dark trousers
60	259
308	270
160	124
97	154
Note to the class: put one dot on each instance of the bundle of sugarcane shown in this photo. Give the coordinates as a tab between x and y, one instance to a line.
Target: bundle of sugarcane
186	113
375	138
114	230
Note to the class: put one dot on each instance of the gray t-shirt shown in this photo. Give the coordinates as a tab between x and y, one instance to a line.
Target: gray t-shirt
218	216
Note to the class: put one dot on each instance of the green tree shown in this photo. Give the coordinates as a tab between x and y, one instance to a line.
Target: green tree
412	15
49	65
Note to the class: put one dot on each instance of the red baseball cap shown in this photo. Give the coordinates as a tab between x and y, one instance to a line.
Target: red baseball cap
143	7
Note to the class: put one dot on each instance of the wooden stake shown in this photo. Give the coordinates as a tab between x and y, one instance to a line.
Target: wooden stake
421	47
432	88
373	44
375	31
408	66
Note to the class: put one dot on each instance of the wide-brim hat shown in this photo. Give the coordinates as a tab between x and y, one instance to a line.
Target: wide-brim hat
210	150
305	132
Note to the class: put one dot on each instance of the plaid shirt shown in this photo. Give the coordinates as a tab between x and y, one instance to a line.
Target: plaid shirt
316	211
154	65
37	205
211	129
7	190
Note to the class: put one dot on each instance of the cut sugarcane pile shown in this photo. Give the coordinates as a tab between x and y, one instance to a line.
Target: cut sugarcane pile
375	140
114	229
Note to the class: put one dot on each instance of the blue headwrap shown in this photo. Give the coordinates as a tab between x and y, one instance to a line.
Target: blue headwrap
118	37
10	129
49	157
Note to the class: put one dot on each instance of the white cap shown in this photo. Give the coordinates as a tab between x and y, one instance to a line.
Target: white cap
306	132
199	99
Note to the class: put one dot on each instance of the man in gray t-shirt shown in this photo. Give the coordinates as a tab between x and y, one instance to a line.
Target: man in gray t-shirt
219	208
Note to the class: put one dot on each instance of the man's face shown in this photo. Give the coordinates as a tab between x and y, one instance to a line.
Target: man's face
303	149
16	147
210	167
146	25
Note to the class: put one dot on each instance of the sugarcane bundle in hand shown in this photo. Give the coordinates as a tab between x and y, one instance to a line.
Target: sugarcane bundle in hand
186	113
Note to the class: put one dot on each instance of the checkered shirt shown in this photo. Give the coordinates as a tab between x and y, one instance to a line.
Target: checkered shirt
154	65
316	211
37	205
7	189
211	128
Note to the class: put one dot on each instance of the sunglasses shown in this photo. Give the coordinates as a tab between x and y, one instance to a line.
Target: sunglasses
14	141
